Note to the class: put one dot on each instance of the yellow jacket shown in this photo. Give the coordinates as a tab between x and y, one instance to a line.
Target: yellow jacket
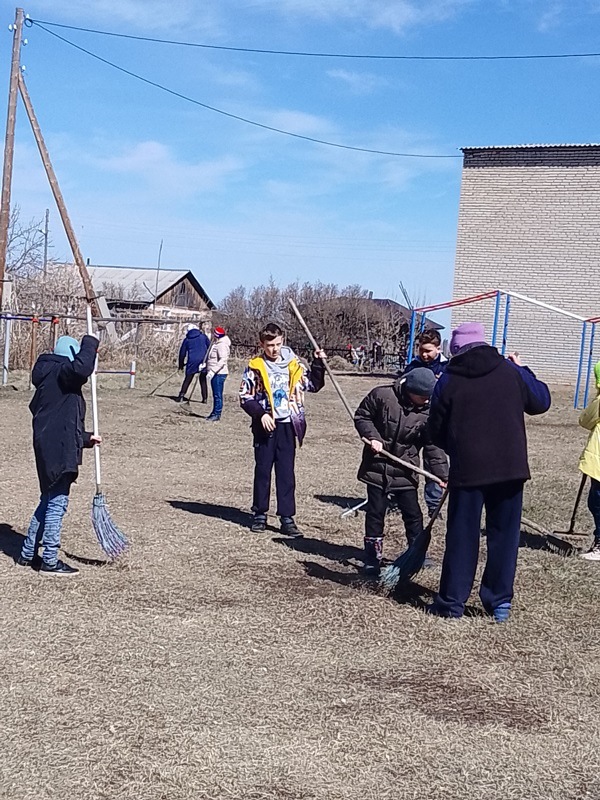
589	463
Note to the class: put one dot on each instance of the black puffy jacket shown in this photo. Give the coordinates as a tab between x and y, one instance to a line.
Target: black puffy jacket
387	415
58	410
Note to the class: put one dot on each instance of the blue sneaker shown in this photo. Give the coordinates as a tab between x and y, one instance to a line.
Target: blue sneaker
502	612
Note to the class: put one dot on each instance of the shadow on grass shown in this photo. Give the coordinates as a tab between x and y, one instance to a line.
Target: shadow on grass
227	513
338	500
318	547
411	593
534	541
88	562
11	541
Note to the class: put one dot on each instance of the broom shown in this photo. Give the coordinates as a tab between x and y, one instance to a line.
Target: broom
110	538
411	561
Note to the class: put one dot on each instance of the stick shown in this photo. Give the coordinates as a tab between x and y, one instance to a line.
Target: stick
406	464
162	383
342	397
94	389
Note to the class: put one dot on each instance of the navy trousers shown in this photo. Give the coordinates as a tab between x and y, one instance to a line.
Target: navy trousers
503	504
278	450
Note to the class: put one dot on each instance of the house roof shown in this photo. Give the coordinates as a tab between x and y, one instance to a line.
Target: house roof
385	302
143	281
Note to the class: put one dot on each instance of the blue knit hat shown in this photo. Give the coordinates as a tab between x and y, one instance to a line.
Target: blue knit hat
67	346
420	381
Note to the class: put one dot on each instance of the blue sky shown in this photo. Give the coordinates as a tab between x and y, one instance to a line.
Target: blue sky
235	203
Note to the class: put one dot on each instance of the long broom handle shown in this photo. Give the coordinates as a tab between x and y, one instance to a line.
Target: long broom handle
313	342
577	502
94	388
342	396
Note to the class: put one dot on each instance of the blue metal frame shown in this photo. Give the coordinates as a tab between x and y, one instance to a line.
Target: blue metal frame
496	318
411	337
580	365
590	364
506	319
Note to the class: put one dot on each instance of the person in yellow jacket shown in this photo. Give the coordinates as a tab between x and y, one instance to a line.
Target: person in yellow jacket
272	394
589	464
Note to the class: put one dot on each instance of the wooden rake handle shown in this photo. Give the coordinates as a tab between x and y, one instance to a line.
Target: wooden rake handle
342	396
94	390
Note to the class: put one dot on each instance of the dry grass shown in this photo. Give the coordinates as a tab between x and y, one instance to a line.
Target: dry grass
216	663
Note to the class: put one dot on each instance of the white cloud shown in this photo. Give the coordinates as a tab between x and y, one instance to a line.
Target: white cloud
155	164
396	15
298	122
358	82
551	17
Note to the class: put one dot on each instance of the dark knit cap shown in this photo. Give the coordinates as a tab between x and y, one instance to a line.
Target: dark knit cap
420	381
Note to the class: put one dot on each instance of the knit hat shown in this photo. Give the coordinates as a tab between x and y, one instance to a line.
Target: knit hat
67	346
420	381
219	332
467	333
597	374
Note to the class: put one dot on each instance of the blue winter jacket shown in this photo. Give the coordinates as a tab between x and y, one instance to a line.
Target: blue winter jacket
193	351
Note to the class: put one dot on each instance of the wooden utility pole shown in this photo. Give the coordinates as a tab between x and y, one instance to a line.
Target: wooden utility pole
62	209
9	145
46	233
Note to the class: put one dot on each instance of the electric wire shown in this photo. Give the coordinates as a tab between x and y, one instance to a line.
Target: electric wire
307	54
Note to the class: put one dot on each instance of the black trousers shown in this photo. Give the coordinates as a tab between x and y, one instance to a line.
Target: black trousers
503	503
407	501
187	382
278	450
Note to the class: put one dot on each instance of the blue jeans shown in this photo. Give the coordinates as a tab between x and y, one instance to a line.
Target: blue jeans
217	383
594	507
46	523
433	495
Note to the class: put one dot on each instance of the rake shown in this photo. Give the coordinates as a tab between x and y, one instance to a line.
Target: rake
162	383
111	539
411	561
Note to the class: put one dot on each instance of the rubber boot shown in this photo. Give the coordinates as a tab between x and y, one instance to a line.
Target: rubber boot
373	556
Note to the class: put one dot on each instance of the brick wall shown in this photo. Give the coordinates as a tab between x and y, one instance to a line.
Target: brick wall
529	221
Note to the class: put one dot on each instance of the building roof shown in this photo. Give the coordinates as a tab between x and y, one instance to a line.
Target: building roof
526	146
141	282
385	302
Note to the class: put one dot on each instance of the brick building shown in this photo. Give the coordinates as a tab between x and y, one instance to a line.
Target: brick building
529	222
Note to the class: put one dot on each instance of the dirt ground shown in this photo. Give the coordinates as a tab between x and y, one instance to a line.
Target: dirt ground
216	663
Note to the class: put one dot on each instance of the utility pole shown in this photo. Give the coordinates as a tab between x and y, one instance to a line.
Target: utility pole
9	145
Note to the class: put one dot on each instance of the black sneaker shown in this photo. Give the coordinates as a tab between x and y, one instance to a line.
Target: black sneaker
180	398
60	569
259	524
23	562
289	528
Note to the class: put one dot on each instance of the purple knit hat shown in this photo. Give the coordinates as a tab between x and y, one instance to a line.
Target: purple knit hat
467	333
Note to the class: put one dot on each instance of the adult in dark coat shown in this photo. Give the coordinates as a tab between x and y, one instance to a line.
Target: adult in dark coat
58	410
192	353
477	418
394	418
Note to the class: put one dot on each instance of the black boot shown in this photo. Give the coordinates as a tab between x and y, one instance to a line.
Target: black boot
373	556
289	528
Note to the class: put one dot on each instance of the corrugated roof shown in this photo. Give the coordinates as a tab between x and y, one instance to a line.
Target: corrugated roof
137	283
526	146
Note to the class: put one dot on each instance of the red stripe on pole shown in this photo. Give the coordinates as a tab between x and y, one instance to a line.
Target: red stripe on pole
461	302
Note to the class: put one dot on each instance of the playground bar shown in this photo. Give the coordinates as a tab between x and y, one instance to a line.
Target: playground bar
580	365
589	366
411	336
506	320
496	318
461	302
544	305
130	372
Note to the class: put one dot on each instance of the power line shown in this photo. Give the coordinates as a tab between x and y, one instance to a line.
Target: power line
235	116
366	56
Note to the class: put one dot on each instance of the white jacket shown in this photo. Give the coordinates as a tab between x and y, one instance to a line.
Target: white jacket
218	356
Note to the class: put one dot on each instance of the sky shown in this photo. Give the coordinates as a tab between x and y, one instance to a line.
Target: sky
236	203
